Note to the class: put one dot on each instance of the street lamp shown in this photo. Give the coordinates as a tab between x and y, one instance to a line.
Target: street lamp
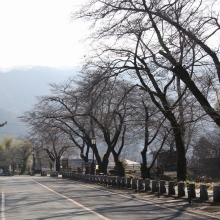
93	142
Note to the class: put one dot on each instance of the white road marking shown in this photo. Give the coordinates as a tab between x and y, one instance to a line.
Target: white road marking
73	201
202	216
3	207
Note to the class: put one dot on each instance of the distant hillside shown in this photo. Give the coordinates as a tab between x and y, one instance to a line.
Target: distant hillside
18	89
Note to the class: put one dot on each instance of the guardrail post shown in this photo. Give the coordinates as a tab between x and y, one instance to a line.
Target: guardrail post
99	179
91	178
203	192
147	185
95	178
154	186
128	182
192	190
86	178
171	188
140	184
123	182
105	180
113	180
216	194
162	186
118	182
189	194
181	189
134	183
158	189
108	180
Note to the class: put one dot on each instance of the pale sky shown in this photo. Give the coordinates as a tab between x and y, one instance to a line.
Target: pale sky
40	32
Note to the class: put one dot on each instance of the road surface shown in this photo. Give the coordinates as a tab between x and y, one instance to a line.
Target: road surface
32	197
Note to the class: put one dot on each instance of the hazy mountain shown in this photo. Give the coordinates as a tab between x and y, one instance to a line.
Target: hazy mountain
18	89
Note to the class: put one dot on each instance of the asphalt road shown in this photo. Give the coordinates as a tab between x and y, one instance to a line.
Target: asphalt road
25	197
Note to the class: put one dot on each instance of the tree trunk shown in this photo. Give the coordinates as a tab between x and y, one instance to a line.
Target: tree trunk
23	168
86	159
144	164
181	165
180	147
120	168
103	165
184	76
58	164
87	170
181	156
145	171
118	164
13	167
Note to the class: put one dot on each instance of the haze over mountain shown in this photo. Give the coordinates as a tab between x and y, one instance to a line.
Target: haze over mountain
18	91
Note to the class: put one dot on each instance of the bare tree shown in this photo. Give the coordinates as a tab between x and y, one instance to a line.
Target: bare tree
109	109
54	142
82	115
163	42
184	33
149	139
49	138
